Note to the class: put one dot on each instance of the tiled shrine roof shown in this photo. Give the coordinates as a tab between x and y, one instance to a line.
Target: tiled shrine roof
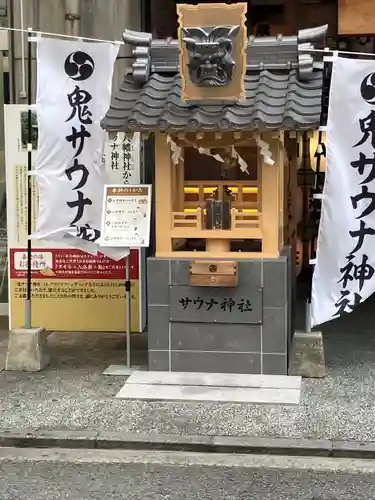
283	86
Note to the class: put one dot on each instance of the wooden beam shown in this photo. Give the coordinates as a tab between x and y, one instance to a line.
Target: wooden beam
270	197
163	194
283	171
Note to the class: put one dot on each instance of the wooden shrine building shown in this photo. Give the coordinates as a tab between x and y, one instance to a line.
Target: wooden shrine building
225	112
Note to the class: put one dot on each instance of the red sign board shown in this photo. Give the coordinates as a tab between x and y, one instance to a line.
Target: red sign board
71	264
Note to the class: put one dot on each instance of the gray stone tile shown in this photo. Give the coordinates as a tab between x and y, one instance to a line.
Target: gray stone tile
275	364
215	337
274	330
158	361
158	327
214	362
180	272
250	274
275	282
158	281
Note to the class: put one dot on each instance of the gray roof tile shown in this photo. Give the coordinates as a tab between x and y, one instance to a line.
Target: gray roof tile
283	85
274	100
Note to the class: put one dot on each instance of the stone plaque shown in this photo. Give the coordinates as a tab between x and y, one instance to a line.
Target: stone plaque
216	305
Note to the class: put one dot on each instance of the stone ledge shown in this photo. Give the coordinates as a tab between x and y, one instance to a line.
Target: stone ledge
27	350
166	442
273	446
86	439
353	449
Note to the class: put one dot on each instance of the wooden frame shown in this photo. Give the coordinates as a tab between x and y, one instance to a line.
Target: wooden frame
176	221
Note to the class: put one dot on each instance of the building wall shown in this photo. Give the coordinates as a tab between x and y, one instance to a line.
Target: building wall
105	19
283	16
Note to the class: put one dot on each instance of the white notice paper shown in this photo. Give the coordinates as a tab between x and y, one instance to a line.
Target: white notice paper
126	216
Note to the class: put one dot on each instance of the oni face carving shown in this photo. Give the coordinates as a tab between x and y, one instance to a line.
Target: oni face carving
210	51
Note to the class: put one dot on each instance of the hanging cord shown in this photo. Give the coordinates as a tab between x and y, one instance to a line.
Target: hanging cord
329	51
316	190
61	35
300	49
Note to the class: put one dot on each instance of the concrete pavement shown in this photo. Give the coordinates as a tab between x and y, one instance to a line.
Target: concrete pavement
72	405
96	475
73	395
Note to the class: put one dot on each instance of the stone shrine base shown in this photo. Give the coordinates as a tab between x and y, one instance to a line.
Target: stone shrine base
245	329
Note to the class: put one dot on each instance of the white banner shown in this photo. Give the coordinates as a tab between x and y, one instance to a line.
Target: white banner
345	265
73	95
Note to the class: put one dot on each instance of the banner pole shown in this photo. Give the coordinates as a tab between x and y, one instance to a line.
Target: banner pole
315	220
315	214
128	312
28	321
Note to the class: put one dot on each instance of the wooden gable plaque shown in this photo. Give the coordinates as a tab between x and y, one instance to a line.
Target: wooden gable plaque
213	46
356	17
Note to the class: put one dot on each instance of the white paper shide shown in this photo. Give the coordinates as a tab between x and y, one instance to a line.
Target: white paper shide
126	216
344	274
73	95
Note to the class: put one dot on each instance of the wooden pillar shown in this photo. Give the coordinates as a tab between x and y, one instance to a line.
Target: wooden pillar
294	194
163	195
282	176
294	191
270	197
180	185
